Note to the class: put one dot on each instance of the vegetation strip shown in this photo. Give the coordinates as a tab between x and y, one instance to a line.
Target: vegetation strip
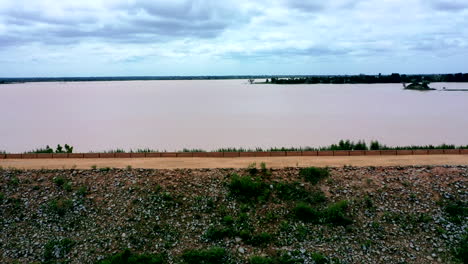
343	148
238	154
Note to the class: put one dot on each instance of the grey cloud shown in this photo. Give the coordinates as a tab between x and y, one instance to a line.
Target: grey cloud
317	51
306	6
449	5
135	23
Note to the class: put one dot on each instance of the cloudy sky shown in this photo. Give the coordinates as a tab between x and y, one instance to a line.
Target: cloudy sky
230	37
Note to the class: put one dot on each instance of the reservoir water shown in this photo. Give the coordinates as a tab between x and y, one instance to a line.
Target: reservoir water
210	114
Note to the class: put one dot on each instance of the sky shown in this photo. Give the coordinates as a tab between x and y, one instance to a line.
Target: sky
53	38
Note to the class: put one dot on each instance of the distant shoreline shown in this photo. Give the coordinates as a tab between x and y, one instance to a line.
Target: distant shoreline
286	79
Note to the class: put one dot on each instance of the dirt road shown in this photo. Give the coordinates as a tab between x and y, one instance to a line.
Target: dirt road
275	162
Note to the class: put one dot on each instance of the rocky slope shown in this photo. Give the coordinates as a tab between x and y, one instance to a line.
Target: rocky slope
353	215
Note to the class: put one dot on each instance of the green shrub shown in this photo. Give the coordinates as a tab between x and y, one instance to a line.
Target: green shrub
260	239
68	187
14	181
228	220
457	210
296	192
105	169
60	206
306	213
59	181
82	191
247	189
128	257
2	197
57	249
213	255
461	251
336	213
318	258
218	233
314	174
252	168
333	214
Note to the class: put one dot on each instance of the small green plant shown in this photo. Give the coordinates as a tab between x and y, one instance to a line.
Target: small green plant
59	181
57	249
93	167
336	213
368	203
82	191
461	250
297	192
261	239
2	197
205	256
306	213
105	169
128	257
218	233
318	258
245	188
68	186
313	174
457	210
252	168
14	181
60	206
333	214
129	167
264	171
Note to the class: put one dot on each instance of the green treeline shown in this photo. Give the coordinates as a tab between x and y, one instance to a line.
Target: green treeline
279	79
341	145
362	78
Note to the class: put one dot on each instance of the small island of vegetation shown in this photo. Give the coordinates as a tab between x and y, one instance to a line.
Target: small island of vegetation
368	79
421	86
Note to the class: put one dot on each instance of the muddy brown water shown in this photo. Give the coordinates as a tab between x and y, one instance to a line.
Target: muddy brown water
209	114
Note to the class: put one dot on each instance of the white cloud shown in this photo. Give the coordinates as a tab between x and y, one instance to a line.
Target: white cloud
161	33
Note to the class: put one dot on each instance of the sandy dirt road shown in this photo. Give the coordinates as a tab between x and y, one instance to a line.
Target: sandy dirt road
274	162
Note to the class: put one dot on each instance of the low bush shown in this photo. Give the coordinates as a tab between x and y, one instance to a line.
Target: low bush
457	210
261	239
333	214
461	250
128	257
205	256
314	174
59	181
60	206
57	249
318	258
218	233
295	192
252	168
306	213
336	213
246	188
82	191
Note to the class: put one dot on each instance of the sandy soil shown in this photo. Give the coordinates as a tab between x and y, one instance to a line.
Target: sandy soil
273	162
